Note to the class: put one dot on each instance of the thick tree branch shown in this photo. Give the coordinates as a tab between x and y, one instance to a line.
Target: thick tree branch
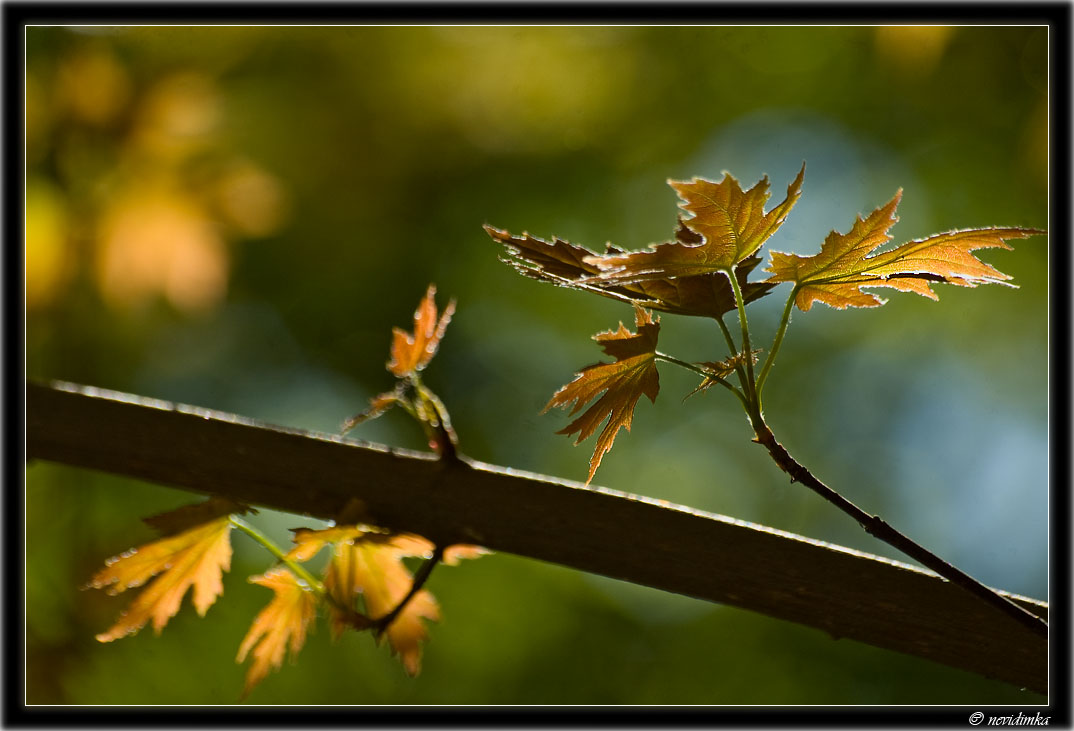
843	592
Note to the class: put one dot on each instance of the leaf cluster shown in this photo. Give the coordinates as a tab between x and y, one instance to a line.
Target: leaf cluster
366	584
704	271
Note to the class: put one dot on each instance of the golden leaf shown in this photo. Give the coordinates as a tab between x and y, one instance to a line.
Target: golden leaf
282	624
376	571
196	557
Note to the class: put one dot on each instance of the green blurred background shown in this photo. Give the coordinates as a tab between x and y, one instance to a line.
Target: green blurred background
236	218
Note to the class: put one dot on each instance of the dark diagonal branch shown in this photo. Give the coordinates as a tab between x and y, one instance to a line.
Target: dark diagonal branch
878	528
838	590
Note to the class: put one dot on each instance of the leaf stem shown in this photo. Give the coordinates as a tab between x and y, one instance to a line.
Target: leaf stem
355	618
876	527
748	385
702	372
732	348
381	624
272	548
771	359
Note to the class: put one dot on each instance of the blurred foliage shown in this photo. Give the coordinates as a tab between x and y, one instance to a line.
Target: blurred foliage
237	217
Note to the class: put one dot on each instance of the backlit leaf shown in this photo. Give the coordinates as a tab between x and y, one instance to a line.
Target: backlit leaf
568	265
375	570
282	624
367	561
308	542
617	386
196	557
412	351
846	264
731	223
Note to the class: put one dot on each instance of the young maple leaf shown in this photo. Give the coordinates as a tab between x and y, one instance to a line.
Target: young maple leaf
281	624
376	571
730	223
622	383
367	561
836	275
567	265
714	371
412	352
195	557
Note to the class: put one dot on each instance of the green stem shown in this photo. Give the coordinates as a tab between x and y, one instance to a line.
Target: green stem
356	619
771	359
731	350
702	372
294	566
748	387
440	434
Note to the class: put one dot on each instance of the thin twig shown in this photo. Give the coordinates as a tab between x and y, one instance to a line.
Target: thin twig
381	624
876	527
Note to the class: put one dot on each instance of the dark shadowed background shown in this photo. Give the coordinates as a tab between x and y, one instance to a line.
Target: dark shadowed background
236	218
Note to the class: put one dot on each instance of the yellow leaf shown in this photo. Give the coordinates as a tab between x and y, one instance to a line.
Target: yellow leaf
196	557
367	561
622	383
309	542
282	624
375	570
846	264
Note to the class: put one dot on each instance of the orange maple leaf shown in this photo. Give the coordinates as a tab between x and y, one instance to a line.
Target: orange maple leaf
730	223
308	542
568	265
412	352
836	275
195	557
376	571
282	624
367	561
622	383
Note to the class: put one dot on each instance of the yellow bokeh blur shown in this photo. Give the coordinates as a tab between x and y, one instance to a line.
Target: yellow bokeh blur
913	50
143	184
47	242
